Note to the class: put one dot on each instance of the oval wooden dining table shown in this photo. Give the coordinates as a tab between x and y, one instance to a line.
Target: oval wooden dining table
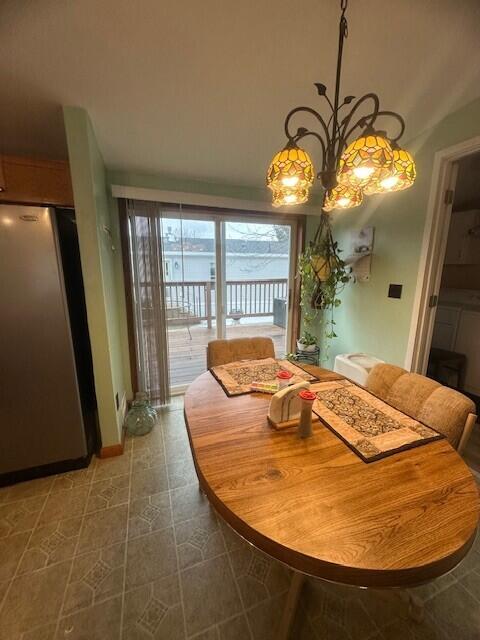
317	507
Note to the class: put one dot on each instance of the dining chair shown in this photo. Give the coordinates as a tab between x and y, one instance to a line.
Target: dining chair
225	351
446	410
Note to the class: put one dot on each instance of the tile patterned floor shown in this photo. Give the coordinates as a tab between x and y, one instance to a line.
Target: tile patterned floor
129	549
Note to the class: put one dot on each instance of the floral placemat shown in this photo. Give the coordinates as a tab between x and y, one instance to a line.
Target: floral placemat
370	427
236	377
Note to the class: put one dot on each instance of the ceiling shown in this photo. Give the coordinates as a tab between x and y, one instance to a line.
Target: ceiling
200	89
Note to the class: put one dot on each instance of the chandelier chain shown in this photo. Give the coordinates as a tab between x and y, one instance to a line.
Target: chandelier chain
343	19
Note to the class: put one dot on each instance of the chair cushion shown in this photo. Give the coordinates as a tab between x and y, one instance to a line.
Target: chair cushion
439	407
381	378
409	392
446	411
225	351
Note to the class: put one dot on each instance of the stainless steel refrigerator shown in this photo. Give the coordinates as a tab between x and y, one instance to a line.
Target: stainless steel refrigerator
46	379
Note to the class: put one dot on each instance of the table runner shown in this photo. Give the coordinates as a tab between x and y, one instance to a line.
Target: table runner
370	427
236	377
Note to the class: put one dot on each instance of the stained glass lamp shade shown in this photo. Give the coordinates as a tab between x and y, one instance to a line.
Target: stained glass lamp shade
343	196
284	196
365	161
402	177
290	176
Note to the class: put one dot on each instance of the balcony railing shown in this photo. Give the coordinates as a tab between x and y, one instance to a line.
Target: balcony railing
196	301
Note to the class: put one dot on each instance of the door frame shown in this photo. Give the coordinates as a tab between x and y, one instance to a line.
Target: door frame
221	286
432	255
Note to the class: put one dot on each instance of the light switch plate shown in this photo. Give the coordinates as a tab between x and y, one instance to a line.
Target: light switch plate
395	290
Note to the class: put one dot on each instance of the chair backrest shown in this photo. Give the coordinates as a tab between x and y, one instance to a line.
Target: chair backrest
441	408
225	351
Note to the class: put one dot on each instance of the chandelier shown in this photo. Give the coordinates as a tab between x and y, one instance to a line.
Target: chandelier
351	167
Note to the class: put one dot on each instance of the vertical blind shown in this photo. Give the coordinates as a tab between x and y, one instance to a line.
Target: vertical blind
146	256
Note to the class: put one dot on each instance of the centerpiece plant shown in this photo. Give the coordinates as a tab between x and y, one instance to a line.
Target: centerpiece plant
323	277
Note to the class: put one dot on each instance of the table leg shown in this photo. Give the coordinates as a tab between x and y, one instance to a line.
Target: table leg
416	609
290	609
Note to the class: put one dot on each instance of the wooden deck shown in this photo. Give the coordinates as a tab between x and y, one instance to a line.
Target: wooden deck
188	357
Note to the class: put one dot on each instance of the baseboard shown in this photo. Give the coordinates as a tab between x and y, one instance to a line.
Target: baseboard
116	449
111	451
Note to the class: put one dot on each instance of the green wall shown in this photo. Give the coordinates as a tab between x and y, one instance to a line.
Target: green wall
105	308
368	320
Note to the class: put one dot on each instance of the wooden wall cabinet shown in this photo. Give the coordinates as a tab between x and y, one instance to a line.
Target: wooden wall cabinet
34	181
463	245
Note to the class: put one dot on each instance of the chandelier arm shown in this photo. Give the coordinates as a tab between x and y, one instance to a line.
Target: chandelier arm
335	133
312	112
362	122
329	102
319	138
398	117
338	109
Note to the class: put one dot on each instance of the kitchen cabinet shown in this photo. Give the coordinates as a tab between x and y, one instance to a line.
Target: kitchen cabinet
35	181
463	245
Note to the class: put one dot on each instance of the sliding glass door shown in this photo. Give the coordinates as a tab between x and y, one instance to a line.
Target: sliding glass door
190	286
256	284
220	275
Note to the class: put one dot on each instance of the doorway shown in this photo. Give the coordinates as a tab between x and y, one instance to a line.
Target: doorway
434	246
446	331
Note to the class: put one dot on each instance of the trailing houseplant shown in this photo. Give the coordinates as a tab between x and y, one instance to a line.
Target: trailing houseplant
323	276
307	342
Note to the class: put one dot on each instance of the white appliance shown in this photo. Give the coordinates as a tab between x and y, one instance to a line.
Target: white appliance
355	366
